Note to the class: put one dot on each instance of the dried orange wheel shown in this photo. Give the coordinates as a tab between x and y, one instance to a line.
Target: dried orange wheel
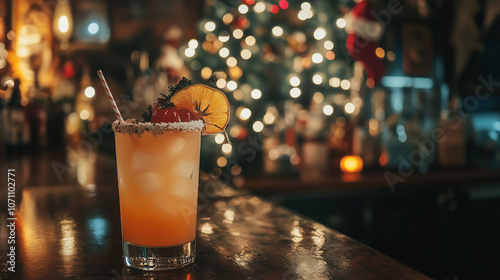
209	104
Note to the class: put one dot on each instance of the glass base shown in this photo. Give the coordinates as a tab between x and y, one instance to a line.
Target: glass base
158	258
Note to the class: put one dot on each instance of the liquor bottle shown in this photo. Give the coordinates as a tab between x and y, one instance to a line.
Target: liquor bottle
452	147
35	113
16	124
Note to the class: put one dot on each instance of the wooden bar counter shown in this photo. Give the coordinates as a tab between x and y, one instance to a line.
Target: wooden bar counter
68	227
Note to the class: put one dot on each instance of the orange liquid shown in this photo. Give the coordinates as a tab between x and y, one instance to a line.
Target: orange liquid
158	186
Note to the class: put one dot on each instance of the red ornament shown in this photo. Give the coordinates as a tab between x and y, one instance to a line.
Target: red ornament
274	9
68	70
240	22
243	134
248	2
283	4
170	115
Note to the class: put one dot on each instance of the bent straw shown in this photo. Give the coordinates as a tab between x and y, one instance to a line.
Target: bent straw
110	96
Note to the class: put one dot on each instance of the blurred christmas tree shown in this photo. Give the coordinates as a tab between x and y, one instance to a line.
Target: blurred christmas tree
271	58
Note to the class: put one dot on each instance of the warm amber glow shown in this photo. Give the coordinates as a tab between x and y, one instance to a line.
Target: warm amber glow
391	56
383	159
330	55
380	52
235	131
63	21
235	72
206	72
221	161
207	228
351	164
227	18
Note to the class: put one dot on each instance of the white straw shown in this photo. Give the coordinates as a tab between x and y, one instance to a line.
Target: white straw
110	96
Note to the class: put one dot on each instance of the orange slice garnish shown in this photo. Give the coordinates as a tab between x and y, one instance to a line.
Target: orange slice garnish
209	104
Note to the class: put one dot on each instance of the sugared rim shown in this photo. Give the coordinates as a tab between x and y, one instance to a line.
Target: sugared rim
136	127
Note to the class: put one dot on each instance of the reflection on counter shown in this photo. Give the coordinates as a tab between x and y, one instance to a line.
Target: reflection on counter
38	211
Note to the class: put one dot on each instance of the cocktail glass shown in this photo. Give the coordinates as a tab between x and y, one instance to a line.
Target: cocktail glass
158	170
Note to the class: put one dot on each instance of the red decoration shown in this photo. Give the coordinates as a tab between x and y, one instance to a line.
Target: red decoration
68	70
240	22
243	134
248	2
170	115
274	9
283	4
290	137
364	31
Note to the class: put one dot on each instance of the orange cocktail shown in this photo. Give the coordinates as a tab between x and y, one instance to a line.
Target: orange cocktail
158	173
158	167
158	183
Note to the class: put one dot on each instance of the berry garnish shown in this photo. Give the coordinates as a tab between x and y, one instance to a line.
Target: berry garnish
172	115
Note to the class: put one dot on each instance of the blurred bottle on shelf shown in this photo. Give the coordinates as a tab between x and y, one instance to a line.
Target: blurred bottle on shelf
143	89
452	147
270	154
394	142
424	119
315	150
17	129
61	118
339	141
35	113
366	137
280	145
407	133
366	145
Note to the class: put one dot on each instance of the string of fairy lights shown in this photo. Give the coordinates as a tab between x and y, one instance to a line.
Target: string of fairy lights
267	51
